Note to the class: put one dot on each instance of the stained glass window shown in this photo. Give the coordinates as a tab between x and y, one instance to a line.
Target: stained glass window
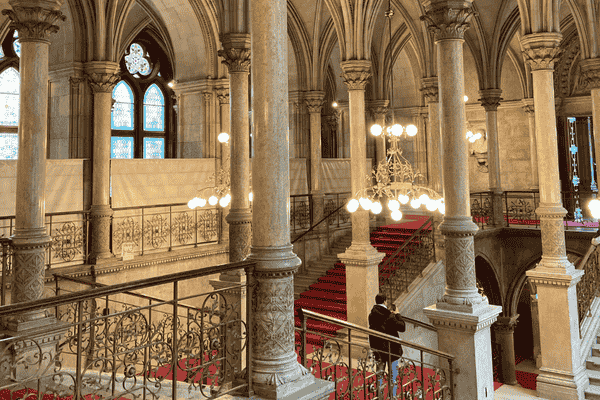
9	146
154	147
121	147
1	52
154	109
17	44
122	112
136	60
9	97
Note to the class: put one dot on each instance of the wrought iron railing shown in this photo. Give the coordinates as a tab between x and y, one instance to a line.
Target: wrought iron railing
68	232
334	201
300	212
163	227
481	208
106	347
519	208
408	261
6	259
352	367
588	288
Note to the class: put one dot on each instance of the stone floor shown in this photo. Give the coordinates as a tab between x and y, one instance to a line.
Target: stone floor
516	392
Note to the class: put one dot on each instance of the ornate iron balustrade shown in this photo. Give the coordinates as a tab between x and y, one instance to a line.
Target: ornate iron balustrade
6	259
163	227
104	347
333	201
68	232
301	212
401	268
519	208
353	369
588	288
481	208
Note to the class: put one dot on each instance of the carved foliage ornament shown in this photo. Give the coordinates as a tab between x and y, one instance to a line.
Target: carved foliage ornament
103	82
379	112
356	79
223	95
240	239
236	59
553	237
541	58
314	105
448	22
33	23
491	103
590	72
460	256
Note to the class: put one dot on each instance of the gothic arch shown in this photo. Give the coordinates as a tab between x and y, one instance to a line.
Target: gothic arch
298	36
487	277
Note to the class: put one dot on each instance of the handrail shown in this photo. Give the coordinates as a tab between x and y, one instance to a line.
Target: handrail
55	301
315	225
416	322
320	317
406	243
595	242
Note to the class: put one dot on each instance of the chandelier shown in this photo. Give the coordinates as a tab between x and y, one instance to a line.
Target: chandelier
396	181
220	193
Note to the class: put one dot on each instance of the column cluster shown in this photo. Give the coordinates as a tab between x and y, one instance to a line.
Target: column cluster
314	103
530	111
430	90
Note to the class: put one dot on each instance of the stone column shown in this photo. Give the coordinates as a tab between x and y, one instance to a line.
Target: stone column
590	69
334	126
463	317
102	77
562	374
530	110
276	372
314	103
505	328
361	259
535	324
30	238
490	100
429	87
224	153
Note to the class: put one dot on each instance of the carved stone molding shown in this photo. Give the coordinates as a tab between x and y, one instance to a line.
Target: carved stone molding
356	73
29	270
223	95
529	107
490	99
33	23
541	50
460	263
506	324
378	108
448	19
100	217
240	239
430	89
590	72
102	76
553	237
314	101
236	59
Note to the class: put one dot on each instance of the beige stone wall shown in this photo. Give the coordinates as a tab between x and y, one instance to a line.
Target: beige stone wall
192	128
59	111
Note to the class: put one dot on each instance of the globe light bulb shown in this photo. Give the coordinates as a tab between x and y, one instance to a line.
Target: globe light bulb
376	130
431	205
376	207
469	134
477	136
201	202
411	130
212	200
224	202
472	139
397	129
251	196
442	208
594	206
192	203
352	205
415	203
466	98
393	205
424	198
365	203
223	137
403	198
396	215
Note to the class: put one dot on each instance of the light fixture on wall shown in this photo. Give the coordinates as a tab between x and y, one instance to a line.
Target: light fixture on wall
220	193
396	182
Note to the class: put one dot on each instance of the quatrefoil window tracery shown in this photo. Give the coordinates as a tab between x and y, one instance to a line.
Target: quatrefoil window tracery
137	60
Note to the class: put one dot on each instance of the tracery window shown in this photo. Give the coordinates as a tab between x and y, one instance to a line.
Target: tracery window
9	113
142	117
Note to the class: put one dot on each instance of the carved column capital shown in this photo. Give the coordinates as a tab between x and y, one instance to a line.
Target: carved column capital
490	99
528	106
590	72
378	108
506	324
222	95
102	76
430	89
541	50
314	101
356	73
34	23
236	52
448	19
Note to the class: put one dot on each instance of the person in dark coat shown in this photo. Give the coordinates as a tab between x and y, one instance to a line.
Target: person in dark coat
386	321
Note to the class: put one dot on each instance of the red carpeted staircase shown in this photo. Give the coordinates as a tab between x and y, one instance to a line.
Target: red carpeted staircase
328	295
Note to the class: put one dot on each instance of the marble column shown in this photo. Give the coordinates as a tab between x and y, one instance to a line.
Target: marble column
333	121
224	153
314	103
530	110
490	100
236	55
590	70
379	110
505	329
102	77
535	325
429	87
562	374
30	238
462	317
276	372
361	258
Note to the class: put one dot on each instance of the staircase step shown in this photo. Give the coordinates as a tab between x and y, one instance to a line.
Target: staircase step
592	392
312	304
594	377
593	363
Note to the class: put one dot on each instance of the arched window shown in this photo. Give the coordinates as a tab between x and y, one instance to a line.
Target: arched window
9	113
142	121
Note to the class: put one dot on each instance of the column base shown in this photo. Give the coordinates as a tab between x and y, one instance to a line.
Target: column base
307	387
560	385
467	337
100	221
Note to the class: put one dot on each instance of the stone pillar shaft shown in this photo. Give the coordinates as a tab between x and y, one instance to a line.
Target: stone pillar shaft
379	110
429	87
505	329
30	238
530	110
314	103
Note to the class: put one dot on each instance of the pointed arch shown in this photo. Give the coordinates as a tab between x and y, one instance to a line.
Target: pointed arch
154	109
121	116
